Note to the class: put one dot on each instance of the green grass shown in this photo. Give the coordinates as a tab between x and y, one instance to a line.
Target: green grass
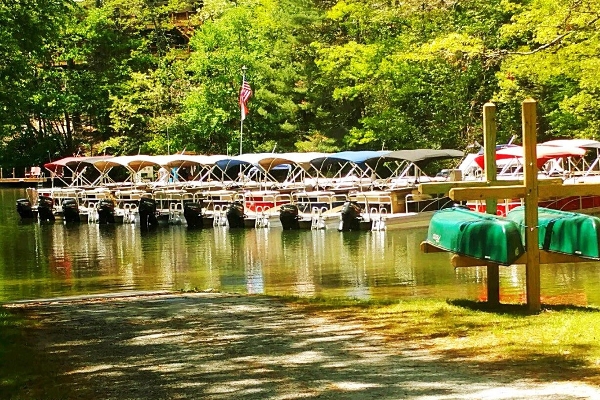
559	343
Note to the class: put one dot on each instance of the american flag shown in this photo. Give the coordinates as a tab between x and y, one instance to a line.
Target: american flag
245	94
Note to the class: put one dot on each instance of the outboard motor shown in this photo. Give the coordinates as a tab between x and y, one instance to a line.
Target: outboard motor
192	212
350	217
147	213
46	208
25	209
235	214
70	210
106	211
288	215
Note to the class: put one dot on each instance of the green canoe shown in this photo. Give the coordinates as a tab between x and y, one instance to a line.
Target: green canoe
563	232
482	236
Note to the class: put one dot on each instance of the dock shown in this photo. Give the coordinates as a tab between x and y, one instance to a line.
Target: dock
22	182
27	177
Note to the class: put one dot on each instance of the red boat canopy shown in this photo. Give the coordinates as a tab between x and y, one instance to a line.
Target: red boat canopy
72	161
544	154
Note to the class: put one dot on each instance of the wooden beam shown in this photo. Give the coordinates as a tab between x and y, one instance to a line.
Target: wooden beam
491	203
545	190
444	187
545	257
460	261
532	268
482	193
569	189
427	247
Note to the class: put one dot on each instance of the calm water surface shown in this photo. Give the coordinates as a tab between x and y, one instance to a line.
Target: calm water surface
41	261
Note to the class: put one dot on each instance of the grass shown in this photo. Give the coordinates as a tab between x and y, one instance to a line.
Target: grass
559	343
25	373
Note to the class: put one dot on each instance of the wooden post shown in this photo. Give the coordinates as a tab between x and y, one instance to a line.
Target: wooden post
532	268
491	204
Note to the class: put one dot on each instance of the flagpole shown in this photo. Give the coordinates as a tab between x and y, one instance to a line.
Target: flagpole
241	109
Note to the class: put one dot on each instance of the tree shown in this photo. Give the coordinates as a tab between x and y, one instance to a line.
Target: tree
265	36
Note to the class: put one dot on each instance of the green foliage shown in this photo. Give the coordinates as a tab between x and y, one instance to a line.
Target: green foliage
555	60
117	75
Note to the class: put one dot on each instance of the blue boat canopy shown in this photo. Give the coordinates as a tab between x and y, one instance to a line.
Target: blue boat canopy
356	157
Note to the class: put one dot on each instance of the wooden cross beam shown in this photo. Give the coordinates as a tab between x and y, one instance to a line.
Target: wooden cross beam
529	191
520	191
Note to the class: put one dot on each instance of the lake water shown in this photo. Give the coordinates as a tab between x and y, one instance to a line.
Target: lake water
50	260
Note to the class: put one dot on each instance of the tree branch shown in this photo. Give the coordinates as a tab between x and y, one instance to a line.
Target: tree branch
553	42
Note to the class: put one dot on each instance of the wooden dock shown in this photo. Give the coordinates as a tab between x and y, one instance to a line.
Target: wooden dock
23	182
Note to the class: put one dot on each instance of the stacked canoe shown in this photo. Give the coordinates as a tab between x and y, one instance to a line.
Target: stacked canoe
502	240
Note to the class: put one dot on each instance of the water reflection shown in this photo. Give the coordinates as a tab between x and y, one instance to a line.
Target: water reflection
55	259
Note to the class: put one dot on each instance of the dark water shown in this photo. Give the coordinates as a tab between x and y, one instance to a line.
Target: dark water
41	261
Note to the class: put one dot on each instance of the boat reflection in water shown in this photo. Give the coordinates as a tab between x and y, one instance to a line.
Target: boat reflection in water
49	260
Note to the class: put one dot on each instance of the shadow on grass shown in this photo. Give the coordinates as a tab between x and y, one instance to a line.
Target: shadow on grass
516	309
25	372
252	347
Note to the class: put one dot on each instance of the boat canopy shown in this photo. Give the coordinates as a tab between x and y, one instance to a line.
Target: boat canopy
418	155
403	167
545	153
55	166
355	157
133	163
77	165
585	143
265	161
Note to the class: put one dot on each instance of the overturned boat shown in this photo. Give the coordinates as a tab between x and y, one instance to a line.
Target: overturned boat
470	233
563	232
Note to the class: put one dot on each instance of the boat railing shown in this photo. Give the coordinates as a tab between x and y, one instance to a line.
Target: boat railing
373	201
217	200
306	201
261	202
58	195
502	208
166	198
93	196
421	203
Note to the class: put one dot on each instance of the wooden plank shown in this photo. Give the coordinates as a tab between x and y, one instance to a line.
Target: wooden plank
460	261
569	189
491	203
482	193
532	268
444	187
545	257
427	247
544	190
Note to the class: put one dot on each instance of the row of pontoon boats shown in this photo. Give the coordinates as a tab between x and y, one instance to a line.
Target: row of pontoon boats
370	190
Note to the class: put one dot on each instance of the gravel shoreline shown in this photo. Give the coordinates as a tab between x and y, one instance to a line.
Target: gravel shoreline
225	346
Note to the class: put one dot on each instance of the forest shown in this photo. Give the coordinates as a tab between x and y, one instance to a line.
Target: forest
126	77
